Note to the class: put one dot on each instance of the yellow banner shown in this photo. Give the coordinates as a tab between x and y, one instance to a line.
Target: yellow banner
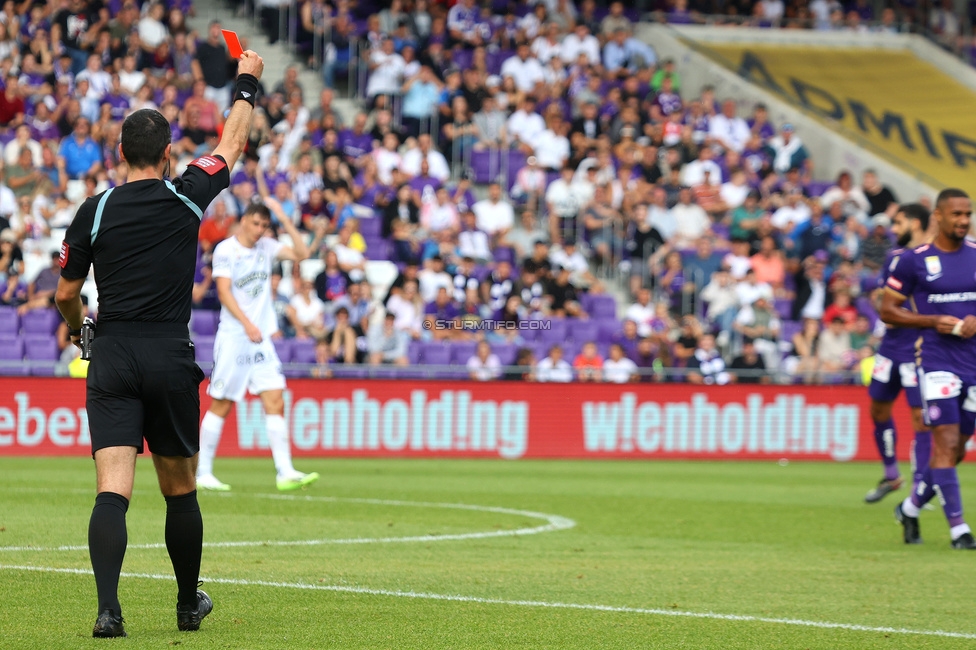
907	108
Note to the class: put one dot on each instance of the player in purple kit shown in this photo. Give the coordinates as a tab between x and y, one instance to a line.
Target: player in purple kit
940	281
894	367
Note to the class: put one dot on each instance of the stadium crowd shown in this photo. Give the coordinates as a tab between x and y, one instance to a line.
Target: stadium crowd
517	169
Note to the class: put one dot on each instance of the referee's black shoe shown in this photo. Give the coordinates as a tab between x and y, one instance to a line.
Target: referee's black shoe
108	626
188	620
909	525
965	542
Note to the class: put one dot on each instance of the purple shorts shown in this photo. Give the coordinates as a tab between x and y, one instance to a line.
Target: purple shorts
890	377
949	399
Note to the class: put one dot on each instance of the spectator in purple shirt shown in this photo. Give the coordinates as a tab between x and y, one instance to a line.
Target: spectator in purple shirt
441	309
760	125
356	143
117	99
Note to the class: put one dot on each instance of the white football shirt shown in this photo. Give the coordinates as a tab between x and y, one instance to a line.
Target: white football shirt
249	270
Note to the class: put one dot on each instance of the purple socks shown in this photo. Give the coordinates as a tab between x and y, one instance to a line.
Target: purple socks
946	485
885	439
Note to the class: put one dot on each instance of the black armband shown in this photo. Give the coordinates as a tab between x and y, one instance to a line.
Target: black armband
246	88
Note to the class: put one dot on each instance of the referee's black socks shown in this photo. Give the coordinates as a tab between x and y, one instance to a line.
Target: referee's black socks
107	539
184	541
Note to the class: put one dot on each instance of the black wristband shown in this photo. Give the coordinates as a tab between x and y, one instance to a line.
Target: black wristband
72	332
247	88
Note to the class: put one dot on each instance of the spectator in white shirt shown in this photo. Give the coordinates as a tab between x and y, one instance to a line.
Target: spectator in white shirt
554	368
580	41
564	203
618	369
524	125
692	220
438	167
728	129
524	68
694	172
642	313
735	191
495	215
551	147
547	44
432	278
386	71
407	309
793	213
484	365
306	311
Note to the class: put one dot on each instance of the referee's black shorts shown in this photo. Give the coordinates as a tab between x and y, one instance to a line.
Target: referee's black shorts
144	383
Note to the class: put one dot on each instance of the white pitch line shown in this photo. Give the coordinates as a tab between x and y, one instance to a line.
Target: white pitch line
554	523
850	627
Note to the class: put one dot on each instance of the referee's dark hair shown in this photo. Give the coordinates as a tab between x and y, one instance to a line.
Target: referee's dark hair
949	193
145	135
916	211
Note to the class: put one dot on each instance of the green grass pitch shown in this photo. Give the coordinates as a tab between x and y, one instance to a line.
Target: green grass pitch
554	554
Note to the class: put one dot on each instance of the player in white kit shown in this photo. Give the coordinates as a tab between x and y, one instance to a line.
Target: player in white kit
244	355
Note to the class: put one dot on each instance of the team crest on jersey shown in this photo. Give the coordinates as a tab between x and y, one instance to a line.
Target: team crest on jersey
933	265
258	357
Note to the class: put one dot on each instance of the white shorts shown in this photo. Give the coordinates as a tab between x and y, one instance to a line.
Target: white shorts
241	365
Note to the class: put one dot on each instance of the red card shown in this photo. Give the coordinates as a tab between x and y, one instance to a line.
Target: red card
233	43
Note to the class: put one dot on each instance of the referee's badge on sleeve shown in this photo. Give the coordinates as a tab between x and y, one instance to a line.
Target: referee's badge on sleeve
63	258
209	164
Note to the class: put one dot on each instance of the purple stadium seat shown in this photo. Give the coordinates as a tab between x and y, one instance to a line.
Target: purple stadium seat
414	351
783	307
496	59
436	354
582	331
461	351
203	321
557	330
303	351
505	254
789	329
370	226
203	342
378	249
462	58
40	321
486	165
817	188
608	328
506	352
601	305
204	353
41	348
283	348
11	349
9	321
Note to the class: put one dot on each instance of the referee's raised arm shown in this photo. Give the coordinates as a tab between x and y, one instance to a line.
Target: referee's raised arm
238	124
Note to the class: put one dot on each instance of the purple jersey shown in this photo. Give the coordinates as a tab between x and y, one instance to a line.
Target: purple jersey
943	284
353	146
898	343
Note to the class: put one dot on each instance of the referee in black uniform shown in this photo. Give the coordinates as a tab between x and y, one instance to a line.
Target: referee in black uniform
143	382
